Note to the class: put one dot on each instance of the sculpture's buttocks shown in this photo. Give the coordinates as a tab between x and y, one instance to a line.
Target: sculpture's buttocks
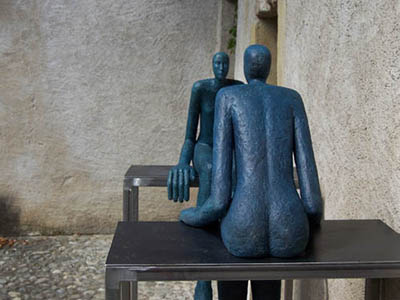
266	216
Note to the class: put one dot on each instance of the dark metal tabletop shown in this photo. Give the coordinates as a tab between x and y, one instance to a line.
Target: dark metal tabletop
355	248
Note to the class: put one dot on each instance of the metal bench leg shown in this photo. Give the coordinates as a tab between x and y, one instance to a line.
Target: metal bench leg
374	289
130	204
129	290
288	289
120	284
134	204
125	290
112	285
125	202
134	290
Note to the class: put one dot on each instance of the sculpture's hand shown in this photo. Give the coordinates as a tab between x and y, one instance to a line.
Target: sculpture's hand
179	178
189	216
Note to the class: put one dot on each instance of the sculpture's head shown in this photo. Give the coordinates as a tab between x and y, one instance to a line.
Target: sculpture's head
220	65
257	62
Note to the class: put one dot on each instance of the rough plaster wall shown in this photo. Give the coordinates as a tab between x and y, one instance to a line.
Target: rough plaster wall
344	58
265	32
251	30
246	17
226	20
86	89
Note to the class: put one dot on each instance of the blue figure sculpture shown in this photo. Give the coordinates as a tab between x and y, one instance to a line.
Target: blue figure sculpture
199	151
265	125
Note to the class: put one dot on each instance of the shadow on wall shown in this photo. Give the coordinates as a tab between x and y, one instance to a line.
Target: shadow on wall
9	216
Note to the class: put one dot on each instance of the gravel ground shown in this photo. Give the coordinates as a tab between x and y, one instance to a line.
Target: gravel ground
67	267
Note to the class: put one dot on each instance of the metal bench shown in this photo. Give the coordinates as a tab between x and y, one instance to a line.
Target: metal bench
173	251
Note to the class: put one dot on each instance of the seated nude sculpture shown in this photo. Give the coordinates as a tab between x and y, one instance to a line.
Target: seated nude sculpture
266	126
199	150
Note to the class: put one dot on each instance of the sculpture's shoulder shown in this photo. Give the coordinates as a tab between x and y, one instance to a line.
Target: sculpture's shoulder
291	96
202	84
295	100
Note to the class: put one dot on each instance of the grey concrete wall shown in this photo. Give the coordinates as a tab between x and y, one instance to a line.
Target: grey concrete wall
344	58
88	88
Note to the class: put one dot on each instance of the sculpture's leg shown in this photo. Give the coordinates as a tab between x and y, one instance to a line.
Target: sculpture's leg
203	290
266	289
232	290
203	165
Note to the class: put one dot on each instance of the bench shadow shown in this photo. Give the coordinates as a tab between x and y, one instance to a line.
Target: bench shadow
9	216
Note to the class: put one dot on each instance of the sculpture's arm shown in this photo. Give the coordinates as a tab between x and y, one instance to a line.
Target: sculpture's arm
216	205
305	164
191	126
180	175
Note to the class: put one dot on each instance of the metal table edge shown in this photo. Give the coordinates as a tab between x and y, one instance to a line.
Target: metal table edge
262	266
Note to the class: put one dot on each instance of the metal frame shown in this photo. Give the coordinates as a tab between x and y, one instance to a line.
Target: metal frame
118	276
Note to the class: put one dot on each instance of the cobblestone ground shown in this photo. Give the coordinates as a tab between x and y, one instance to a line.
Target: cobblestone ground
68	267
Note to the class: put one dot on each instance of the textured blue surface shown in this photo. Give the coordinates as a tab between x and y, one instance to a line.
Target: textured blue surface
202	104
266	126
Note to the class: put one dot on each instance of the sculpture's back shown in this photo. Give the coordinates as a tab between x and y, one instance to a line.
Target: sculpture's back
266	216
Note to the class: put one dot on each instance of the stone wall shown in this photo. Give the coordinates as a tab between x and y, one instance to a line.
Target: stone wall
344	58
88	88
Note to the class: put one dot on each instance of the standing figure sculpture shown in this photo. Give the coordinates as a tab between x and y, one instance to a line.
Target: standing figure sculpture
200	150
266	126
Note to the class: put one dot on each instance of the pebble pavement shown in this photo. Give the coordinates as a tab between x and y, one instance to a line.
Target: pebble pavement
68	267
